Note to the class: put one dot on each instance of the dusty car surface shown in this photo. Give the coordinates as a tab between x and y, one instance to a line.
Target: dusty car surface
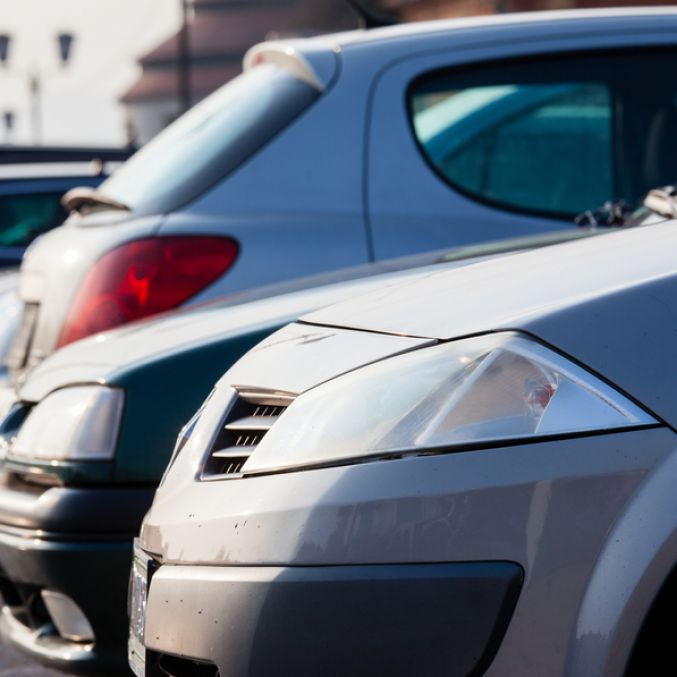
366	145
470	472
89	435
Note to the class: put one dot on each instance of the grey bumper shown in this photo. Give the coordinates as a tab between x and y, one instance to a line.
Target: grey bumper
395	620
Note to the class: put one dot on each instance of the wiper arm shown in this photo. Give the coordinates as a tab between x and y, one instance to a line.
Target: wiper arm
84	200
662	201
612	214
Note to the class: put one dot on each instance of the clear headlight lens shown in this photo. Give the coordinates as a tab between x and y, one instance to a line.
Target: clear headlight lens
78	423
486	389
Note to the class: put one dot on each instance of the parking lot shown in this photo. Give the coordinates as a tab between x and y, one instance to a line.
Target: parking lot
14	664
337	338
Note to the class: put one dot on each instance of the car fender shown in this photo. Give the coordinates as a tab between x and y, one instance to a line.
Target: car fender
634	562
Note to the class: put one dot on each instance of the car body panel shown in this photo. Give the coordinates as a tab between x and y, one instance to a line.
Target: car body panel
71	513
523	504
10	316
461	612
67	568
261	367
569	296
638	556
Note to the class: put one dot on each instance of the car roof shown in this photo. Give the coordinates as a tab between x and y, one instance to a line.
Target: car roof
55	170
311	55
535	19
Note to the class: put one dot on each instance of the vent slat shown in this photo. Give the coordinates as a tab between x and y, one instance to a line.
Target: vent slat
263	423
249	419
234	452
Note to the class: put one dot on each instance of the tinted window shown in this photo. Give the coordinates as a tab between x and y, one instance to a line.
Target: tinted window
209	141
553	136
24	217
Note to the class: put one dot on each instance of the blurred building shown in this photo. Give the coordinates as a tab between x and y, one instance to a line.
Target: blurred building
418	10
220	32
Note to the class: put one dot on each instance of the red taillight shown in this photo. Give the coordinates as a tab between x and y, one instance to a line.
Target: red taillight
144	277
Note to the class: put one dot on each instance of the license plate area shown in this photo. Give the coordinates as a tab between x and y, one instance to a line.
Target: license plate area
143	568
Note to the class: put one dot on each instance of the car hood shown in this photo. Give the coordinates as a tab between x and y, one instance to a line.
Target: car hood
609	302
103	357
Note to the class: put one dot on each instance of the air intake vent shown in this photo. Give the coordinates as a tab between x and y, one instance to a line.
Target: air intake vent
250	417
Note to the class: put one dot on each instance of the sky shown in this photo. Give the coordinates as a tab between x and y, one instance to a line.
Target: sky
80	102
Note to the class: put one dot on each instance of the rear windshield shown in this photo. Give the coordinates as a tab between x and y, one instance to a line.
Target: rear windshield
210	141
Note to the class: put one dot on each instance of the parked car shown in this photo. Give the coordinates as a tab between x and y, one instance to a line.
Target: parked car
10	315
13	154
72	497
30	197
342	149
471	472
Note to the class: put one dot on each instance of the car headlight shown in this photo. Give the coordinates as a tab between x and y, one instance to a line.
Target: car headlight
478	391
77	423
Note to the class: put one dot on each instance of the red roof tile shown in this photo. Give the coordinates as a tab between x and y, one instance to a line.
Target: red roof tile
225	32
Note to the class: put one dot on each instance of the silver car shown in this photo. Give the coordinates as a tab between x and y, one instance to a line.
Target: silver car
337	150
469	473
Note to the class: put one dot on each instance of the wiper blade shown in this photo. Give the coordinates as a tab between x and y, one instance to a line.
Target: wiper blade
612	214
662	201
85	200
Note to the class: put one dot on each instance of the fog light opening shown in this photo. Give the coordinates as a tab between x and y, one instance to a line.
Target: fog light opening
69	620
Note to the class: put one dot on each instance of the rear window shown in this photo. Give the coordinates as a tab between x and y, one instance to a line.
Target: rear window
210	141
25	216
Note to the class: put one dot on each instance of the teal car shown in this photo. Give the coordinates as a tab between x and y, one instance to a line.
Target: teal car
86	442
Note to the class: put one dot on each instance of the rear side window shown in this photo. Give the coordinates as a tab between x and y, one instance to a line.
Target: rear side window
24	217
551	136
211	140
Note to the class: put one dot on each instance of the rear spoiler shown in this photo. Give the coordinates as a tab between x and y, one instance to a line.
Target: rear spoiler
289	57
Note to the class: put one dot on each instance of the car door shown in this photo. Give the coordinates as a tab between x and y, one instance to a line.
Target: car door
482	143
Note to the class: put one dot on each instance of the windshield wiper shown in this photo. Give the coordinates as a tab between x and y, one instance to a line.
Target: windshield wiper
612	214
618	214
85	200
662	201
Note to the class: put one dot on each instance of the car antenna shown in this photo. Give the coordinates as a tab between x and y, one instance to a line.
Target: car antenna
367	18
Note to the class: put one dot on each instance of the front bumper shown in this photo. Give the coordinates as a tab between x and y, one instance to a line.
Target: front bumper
548	506
76	542
396	620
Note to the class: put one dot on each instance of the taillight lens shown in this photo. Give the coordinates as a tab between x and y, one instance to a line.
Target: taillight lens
145	277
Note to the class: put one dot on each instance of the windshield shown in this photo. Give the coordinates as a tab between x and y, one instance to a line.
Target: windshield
210	140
